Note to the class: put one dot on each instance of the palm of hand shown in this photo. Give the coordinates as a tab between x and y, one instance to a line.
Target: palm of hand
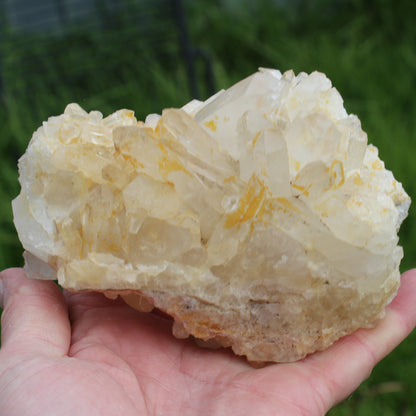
108	359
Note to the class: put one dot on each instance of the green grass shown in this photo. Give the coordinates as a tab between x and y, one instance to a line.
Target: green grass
365	47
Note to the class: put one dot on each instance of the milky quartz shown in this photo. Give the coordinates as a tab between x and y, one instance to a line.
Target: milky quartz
258	219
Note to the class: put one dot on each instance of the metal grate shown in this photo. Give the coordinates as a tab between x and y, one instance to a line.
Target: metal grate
48	44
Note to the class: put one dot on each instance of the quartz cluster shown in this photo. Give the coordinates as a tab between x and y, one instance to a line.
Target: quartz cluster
259	219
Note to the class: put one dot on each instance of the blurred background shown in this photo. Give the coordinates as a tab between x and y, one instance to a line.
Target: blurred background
147	55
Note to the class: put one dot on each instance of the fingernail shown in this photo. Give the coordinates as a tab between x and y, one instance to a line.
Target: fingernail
1	292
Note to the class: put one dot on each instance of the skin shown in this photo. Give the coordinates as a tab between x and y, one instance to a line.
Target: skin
83	354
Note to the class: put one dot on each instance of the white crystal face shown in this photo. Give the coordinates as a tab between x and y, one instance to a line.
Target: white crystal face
259	218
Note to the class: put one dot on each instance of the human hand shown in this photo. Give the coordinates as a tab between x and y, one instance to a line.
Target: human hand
83	354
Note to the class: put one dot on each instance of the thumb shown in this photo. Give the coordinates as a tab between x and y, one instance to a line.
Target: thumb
35	317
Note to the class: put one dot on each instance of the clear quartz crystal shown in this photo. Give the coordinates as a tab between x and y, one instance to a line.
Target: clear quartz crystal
259	219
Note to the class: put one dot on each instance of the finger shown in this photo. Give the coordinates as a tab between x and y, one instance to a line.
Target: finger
81	302
34	317
94	318
338	371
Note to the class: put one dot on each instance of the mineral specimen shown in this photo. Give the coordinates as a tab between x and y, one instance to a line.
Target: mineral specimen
258	219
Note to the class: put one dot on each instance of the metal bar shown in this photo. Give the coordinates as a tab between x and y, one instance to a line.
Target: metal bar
62	11
209	72
3	19
186	48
